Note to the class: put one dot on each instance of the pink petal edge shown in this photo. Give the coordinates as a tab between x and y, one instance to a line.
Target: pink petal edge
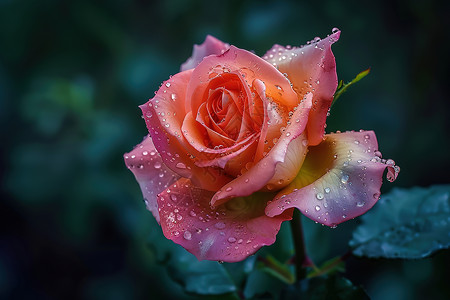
210	46
150	172
310	68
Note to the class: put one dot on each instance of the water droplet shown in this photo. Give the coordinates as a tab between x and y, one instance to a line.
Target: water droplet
228	189
334	30
360	204
145	153
180	165
174	97
288	134
344	216
187	235
167	84
305	143
173	197
319	196
317	208
220	225
344	178
192	213
176	233
231	239
356	142
157	165
327	190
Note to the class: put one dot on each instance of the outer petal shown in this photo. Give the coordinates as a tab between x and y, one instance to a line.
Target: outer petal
164	115
150	172
263	171
339	180
210	46
311	68
230	233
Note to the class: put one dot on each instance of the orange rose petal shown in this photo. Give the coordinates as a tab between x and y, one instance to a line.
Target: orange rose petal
239	60
164	116
263	171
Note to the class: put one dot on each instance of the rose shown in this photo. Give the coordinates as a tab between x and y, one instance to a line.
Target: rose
237	142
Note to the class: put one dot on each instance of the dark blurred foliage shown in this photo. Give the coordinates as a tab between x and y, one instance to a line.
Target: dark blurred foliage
73	72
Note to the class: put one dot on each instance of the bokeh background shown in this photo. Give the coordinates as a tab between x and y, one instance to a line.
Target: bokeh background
72	74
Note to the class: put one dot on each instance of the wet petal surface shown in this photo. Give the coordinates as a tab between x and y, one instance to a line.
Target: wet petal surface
164	115
311	68
229	233
260	174
339	180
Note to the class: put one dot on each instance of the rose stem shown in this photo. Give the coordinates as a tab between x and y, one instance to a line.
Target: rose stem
299	245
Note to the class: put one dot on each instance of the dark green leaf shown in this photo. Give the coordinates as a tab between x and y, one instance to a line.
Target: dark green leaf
406	223
342	87
324	288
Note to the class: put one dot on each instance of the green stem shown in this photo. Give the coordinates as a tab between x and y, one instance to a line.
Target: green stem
299	245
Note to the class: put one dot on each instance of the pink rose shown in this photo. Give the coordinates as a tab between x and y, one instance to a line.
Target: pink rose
237	142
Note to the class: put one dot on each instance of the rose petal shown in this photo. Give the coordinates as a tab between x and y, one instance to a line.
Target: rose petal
230	233
263	171
210	46
239	60
339	180
150	172
311	68
164	115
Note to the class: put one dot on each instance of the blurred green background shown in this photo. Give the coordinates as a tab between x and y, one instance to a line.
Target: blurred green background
72	74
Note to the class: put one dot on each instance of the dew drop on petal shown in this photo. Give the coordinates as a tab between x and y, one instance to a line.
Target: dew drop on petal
327	190
344	178
317	208
319	196
231	239
220	225
180	165
187	235
157	165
